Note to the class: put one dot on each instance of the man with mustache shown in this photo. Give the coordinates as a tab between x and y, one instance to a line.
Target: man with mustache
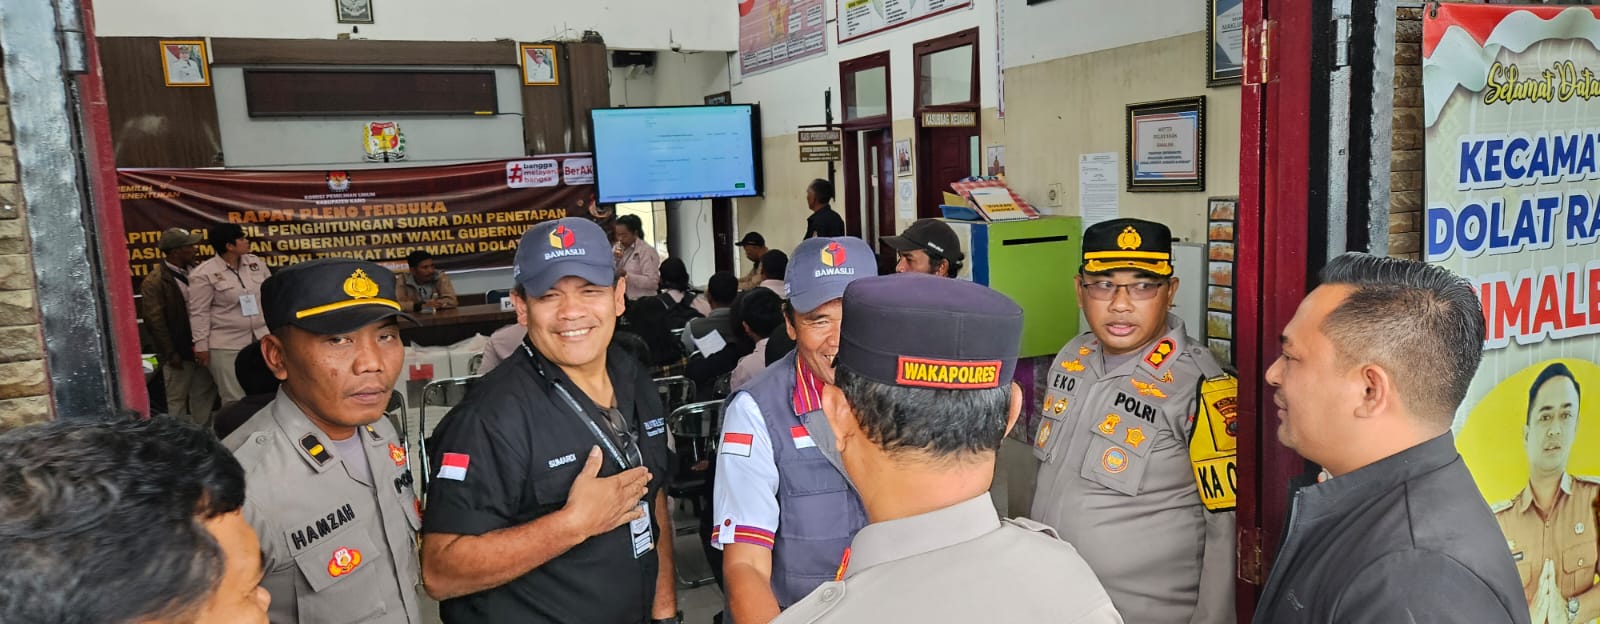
1550	525
328	482
1137	439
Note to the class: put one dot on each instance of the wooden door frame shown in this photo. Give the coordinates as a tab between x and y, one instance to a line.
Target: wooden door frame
851	195
973	105
1271	257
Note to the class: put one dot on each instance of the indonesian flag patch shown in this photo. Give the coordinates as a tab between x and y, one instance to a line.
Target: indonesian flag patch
737	443
454	466
802	438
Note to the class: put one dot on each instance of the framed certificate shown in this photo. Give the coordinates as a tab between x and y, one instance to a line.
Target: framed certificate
1166	143
1224	42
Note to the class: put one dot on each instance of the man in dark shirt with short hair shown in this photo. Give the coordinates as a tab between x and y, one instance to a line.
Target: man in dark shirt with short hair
549	504
823	222
1375	363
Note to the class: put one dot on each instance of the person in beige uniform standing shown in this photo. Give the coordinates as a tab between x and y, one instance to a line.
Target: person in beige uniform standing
225	306
918	414
329	486
1137	439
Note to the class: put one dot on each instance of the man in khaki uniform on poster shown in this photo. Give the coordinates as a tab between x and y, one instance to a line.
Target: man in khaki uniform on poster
918	413
1550	525
328	484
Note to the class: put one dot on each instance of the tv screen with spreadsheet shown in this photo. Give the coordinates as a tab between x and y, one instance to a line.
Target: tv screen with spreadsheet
677	152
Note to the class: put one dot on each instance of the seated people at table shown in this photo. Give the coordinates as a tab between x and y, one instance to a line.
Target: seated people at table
773	265
425	286
720	294
638	261
760	314
704	369
755	246
655	318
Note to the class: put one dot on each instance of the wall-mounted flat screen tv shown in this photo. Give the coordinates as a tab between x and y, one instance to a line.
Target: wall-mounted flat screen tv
677	152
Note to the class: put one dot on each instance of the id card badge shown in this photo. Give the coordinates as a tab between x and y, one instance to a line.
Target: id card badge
640	527
248	305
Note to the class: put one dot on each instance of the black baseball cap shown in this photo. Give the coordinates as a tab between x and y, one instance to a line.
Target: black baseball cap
922	331
930	235
329	296
753	238
568	247
1127	244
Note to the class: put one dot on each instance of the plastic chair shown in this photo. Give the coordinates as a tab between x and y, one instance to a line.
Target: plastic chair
696	426
436	393
396	413
675	391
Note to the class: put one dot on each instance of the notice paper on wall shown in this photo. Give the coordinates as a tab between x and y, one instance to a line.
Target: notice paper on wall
1097	187
906	199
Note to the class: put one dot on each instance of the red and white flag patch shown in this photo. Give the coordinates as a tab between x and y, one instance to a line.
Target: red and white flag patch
737	443
454	466
802	438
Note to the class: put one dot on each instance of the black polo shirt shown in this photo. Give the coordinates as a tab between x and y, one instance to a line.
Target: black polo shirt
524	448
825	223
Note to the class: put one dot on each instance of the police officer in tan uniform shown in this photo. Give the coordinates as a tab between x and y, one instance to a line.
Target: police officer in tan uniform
1137	439
1551	525
917	414
328	486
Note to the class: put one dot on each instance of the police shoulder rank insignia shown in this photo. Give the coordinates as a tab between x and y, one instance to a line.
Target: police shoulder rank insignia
372	431
1109	425
1114	460
344	561
398	455
1148	389
1162	352
315	449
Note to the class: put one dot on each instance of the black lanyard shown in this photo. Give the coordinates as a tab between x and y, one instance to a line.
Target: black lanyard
583	415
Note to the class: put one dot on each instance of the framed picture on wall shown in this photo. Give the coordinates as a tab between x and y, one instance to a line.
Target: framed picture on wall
1224	42
902	158
1166	144
719	99
539	64
184	63
353	11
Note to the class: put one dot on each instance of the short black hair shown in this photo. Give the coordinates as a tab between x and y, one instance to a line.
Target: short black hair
774	264
722	288
251	369
221	235
417	257
822	189
101	519
760	309
674	274
938	424
1408	317
631	222
1550	372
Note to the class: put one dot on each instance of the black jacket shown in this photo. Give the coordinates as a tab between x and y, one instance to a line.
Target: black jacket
1405	539
825	223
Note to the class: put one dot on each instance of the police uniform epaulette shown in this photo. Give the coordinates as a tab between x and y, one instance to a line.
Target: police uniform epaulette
1036	527
253	449
315	449
1502	505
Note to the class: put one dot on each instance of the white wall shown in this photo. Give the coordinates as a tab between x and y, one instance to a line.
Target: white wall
677	79
297	142
636	24
1053	30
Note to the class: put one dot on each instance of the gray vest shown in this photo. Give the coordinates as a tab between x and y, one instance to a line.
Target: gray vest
818	510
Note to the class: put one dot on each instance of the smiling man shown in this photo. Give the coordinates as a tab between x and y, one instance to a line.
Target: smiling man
1375	364
329	489
1137	438
1551	525
549	504
779	543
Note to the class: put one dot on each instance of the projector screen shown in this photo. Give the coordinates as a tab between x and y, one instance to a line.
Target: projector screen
677	152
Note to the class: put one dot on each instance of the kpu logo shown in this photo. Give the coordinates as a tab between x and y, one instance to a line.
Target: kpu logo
338	181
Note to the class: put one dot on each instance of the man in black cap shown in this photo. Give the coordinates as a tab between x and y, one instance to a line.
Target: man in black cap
328	485
1137	438
927	246
164	308
918	415
549	504
755	246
